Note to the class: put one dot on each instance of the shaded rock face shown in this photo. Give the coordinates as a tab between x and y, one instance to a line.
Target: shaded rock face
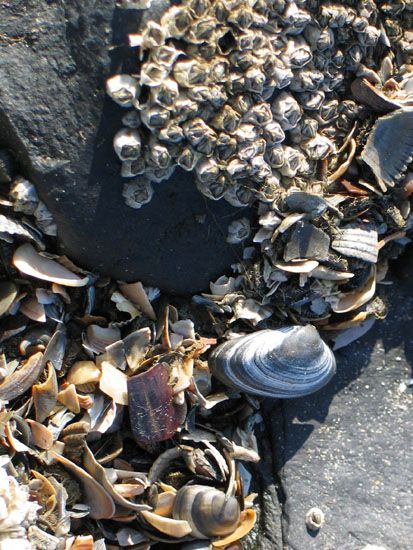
54	59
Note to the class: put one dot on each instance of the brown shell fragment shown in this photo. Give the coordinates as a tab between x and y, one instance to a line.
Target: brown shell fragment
367	94
389	147
356	242
153	413
21	380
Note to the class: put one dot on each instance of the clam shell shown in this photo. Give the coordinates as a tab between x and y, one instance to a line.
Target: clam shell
289	362
356	242
364	92
389	147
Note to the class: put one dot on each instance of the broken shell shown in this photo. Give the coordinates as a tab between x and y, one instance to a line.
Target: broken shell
123	89
172	527
24	195
98	338
22	379
388	162
113	382
100	502
137	192
69	398
83	372
357	242
127	144
8	293
45	395
41	436
137	295
29	262
365	93
353	300
288	362
153	413
208	511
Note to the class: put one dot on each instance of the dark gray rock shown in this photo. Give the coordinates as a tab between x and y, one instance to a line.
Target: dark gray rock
307	241
348	448
54	59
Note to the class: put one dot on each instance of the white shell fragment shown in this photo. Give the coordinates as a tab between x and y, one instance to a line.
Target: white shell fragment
113	383
288	362
30	262
356	242
389	147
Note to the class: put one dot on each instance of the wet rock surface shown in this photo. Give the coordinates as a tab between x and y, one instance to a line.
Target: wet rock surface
54	59
347	448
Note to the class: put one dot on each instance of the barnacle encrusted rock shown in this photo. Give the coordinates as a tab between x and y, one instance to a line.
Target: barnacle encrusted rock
247	93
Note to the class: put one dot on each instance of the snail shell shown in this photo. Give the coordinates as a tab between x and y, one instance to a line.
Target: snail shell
208	511
289	362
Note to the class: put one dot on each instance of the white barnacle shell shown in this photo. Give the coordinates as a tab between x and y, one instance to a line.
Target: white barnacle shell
237	168
311	101
273	132
238	195
158	154
153	35
318	147
226	119
176	21
259	114
254	80
213	190
201	30
306	80
274	155
24	195
286	110
238	231
190	72
297	52
187	158
123	89
156	174
155	116
165	55
285	363
153	74
319	38
247	132
132	168
166	93
249	150
294	161
127	144
207	170
137	192
305	129
295	19
172	133
259	169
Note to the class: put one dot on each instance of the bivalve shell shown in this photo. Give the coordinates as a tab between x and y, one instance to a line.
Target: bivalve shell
356	242
289	362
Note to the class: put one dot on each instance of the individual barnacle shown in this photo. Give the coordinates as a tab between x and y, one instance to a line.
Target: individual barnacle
226	146
318	38
195	131
273	132
259	114
185	108
242	103
155	117
153	35
152	74
305	129
201	31
132	119
171	133
241	18
207	170
238	231
318	147
295	19
187	158
247	132
327	112
123	89
235	83
127	144
158	154
214	190
248	150
306	80
176	21
137	192
311	101
259	169
369	36
165	56
293	161
189	72
254	80
156	174
286	110
132	168
297	53
243	59
166	93
237	168
227	120
238	195
197	8
274	155
218	69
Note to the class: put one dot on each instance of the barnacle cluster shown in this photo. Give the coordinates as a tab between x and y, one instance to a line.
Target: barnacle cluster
246	93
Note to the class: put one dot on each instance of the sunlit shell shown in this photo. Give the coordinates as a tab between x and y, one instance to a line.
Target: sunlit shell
137	192
388	162
123	89
29	262
357	242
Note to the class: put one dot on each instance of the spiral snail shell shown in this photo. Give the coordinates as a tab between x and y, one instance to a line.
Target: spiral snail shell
288	362
208	511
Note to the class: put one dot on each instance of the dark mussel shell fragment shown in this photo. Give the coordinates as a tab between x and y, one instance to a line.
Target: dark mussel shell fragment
154	416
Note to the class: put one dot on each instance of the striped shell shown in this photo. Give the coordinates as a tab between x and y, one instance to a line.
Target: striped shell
389	147
289	362
356	242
